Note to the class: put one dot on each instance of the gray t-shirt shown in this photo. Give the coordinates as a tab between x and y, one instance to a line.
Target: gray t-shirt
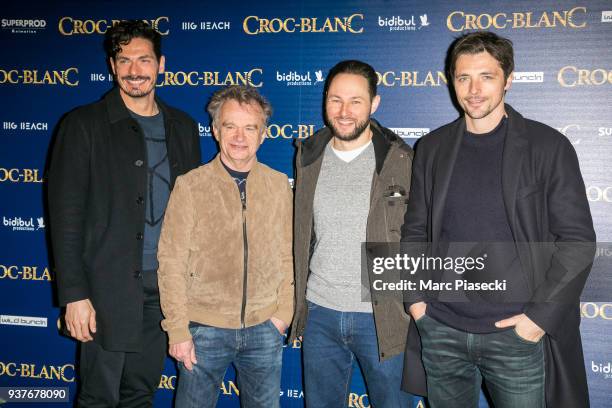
341	208
157	190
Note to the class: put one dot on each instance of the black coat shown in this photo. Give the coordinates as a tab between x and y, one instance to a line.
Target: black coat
96	185
545	201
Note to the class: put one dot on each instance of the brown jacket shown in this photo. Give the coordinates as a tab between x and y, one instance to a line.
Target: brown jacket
221	264
393	168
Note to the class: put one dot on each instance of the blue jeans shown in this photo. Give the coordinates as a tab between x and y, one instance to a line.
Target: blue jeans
332	341
255	351
456	362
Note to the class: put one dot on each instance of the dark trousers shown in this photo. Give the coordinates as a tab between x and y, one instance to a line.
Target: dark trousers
122	379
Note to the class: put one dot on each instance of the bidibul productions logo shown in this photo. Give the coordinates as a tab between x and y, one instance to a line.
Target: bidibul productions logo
300	78
602	368
404	23
23	224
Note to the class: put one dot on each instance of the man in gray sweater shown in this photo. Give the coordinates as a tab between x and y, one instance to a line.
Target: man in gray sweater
352	179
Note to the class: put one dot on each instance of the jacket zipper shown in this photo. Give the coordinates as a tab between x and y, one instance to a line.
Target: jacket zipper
246	258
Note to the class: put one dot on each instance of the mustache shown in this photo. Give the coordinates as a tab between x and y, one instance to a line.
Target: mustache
135	78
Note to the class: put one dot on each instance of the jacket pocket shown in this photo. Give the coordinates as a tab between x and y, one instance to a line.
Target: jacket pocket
395	208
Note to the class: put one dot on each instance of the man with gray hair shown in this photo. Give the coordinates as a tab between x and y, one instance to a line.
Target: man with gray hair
226	265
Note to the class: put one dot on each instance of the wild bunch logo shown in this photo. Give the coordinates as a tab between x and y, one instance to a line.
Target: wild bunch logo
527	77
254	25
574	18
66	77
410	133
23	321
76	26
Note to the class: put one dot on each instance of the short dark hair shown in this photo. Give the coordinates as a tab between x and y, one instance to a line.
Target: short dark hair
124	31
476	42
241	94
356	68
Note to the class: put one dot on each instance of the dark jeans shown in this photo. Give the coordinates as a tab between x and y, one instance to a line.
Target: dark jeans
257	354
456	363
332	341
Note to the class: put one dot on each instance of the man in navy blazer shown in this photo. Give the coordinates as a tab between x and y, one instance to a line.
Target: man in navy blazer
513	186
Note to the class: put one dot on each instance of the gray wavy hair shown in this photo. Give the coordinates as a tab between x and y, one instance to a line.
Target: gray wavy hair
241	94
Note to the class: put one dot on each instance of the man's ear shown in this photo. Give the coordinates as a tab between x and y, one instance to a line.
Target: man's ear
162	65
375	103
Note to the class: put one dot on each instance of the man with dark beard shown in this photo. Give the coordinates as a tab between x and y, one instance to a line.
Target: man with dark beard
352	179
114	163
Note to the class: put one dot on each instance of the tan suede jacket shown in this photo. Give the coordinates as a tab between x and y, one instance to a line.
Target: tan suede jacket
221	264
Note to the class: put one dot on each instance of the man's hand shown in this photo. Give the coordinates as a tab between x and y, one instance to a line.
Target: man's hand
524	327
185	353
280	325
417	310
81	320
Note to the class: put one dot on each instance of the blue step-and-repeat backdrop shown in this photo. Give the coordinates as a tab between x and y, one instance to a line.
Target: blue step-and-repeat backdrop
52	60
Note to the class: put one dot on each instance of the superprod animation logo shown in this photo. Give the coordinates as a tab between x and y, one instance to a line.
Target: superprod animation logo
68	26
574	18
574	132
23	26
255	25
